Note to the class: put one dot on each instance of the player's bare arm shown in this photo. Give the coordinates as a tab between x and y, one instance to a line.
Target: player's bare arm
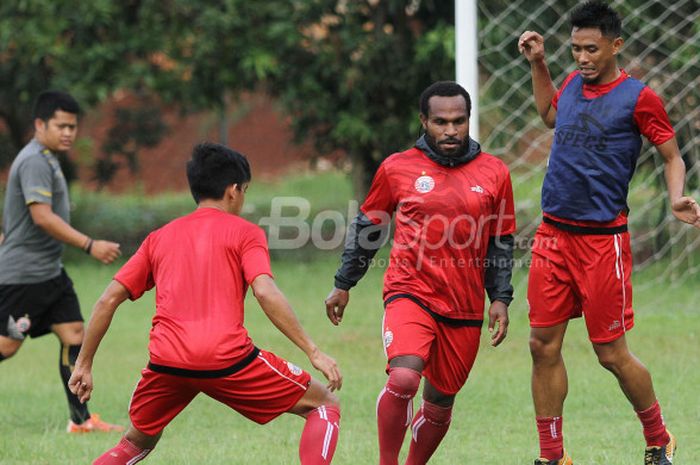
54	226
279	311
531	46
684	208
80	382
498	321
336	302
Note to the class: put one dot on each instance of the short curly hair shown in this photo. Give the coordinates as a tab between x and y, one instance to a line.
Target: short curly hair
599	15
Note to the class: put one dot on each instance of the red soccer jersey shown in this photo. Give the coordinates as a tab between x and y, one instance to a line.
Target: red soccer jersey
201	265
444	219
649	114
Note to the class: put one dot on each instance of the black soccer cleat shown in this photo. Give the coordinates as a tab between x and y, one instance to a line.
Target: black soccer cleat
661	455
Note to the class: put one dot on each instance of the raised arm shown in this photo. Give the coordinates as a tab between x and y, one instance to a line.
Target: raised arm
531	45
44	217
684	208
279	311
80	382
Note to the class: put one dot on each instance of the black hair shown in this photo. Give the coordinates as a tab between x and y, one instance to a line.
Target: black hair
443	89
599	15
213	168
49	101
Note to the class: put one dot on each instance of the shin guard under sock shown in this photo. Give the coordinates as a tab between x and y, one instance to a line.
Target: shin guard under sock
124	453
429	427
78	412
653	425
551	437
320	436
395	411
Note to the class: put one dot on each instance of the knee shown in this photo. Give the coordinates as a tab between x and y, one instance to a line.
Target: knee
330	400
543	351
8	347
403	382
611	360
72	336
7	353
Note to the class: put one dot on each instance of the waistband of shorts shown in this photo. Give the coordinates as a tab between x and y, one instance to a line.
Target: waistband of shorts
575	229
456	322
183	372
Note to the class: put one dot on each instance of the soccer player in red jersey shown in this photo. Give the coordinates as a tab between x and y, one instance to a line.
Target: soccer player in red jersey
454	220
581	258
201	266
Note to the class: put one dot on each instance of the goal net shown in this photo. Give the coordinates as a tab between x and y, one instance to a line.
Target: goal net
662	48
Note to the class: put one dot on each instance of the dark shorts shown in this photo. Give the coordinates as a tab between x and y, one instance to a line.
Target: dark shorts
35	307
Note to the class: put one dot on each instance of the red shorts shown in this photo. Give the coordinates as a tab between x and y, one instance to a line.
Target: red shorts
573	274
263	390
447	351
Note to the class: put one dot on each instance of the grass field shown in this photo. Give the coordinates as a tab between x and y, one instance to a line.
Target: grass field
493	416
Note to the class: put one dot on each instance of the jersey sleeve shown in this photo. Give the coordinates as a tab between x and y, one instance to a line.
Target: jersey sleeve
651	118
504	207
137	274
36	179
255	256
555	99
380	203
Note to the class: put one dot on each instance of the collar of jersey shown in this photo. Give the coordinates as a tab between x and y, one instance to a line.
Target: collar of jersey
472	150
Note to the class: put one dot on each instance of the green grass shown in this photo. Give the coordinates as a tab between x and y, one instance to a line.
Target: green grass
493	416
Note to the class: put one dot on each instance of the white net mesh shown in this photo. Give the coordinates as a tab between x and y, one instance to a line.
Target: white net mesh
662	48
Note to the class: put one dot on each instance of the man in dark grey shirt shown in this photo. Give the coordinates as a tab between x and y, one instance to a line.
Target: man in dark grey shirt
36	294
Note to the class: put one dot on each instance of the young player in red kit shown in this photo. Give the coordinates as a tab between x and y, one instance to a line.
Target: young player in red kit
582	260
454	220
201	266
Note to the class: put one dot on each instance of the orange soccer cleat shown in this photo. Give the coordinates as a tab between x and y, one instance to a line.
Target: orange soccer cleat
565	460
94	424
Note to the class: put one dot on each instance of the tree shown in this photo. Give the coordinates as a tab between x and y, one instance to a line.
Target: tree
348	72
80	47
196	55
352	79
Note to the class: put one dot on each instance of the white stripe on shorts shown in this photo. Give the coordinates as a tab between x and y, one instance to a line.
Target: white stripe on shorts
261	357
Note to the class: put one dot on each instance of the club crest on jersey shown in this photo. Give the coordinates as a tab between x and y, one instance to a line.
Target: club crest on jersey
478	189
388	338
295	370
424	184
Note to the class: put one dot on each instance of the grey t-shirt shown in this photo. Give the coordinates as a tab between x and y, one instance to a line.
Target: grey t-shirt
29	255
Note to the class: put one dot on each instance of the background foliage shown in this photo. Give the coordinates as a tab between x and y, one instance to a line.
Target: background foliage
348	72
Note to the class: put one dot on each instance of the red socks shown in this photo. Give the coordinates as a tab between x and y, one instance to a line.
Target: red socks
653	425
320	436
429	427
394	412
124	453
551	437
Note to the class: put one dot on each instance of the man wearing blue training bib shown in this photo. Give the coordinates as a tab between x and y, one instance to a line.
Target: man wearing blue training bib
581	258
